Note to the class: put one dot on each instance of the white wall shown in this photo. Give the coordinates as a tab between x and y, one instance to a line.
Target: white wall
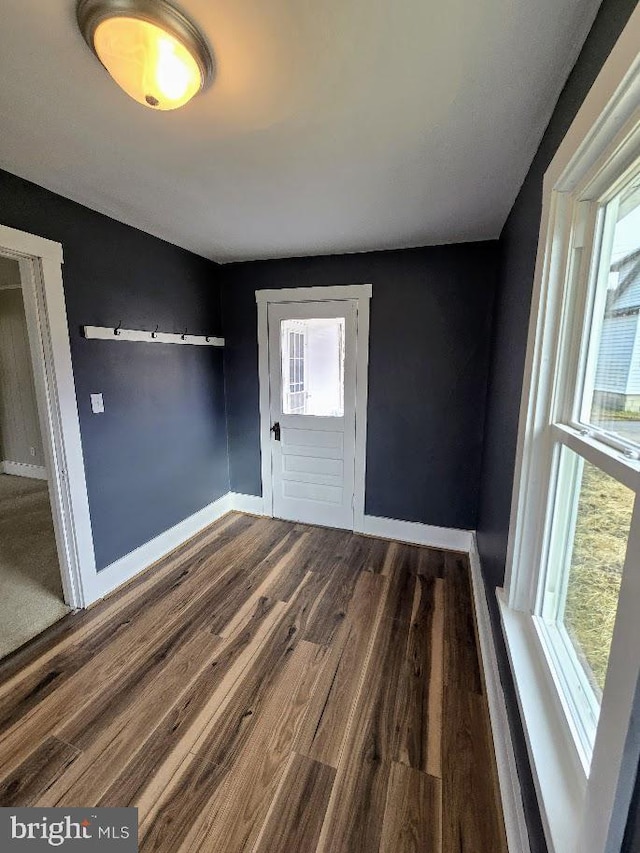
20	438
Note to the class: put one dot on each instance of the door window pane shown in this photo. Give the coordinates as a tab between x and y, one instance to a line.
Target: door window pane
592	519
313	367
613	398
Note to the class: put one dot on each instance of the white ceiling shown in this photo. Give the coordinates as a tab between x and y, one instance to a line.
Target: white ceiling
332	126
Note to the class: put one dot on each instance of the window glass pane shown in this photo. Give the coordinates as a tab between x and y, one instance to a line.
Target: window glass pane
313	367
614	391
592	519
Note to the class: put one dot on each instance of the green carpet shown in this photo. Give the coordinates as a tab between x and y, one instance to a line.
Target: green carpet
30	585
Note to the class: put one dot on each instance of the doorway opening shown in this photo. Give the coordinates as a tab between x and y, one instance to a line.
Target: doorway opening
58	485
32	595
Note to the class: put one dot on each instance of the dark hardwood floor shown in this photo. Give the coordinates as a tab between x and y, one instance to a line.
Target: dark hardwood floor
268	687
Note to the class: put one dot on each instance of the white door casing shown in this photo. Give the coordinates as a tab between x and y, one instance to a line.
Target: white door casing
40	263
316	473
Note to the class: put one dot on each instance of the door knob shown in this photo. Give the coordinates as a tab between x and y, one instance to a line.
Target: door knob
275	429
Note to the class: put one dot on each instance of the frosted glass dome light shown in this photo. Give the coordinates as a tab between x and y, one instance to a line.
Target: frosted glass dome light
151	50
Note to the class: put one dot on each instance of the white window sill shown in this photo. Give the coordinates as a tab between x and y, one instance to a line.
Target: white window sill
559	778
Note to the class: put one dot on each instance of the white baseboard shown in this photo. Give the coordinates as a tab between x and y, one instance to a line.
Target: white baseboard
250	504
445	538
510	792
131	564
23	469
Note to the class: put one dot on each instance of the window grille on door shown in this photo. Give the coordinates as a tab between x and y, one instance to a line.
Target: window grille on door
296	393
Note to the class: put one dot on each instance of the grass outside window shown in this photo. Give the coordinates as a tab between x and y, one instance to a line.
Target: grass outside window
602	528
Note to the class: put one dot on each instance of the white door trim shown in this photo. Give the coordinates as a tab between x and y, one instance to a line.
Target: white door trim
40	263
361	293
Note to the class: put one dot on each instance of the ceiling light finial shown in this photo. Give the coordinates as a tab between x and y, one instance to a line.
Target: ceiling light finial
151	49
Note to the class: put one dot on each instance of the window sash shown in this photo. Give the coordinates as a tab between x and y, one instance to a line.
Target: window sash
601	245
580	701
581	257
571	686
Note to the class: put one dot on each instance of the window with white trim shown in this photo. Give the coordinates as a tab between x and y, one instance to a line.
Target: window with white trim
571	603
592	448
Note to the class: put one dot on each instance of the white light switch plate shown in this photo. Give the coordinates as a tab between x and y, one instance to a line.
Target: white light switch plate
97	404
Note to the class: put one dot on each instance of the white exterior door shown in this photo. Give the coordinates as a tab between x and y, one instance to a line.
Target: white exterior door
312	391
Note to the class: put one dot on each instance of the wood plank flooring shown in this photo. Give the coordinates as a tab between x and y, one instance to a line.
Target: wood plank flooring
267	687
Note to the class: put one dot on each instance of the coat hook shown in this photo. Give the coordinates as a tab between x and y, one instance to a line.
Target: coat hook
116	331
184	334
154	334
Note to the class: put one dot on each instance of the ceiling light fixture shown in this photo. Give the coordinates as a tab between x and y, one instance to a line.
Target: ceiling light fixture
151	49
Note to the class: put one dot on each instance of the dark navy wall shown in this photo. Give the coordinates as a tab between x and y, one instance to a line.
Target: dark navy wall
518	245
158	454
632	835
430	322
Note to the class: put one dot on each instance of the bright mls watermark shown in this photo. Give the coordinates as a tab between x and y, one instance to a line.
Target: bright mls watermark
100	830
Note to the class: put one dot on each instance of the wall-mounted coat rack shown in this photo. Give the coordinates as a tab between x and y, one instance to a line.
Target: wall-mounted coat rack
109	333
